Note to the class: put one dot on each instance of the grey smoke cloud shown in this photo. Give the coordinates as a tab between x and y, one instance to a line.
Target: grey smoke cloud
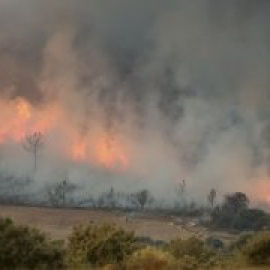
186	81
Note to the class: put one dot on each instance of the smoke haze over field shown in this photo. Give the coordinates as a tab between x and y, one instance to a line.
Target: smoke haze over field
139	93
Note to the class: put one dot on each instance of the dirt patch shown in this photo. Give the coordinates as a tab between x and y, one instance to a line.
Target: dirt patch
58	223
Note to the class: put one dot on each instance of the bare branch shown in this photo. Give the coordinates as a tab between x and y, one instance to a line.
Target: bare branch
33	143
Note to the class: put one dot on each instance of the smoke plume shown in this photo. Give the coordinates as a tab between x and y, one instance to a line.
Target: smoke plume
139	94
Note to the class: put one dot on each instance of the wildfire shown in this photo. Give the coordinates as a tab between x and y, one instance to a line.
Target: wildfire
106	152
79	151
23	109
110	153
101	148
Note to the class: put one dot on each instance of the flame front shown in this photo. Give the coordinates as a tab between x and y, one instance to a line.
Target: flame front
99	149
110	153
20	118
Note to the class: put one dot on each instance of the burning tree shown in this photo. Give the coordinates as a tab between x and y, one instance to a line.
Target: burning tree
33	143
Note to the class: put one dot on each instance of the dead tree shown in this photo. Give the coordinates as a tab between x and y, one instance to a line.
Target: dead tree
212	197
181	191
33	143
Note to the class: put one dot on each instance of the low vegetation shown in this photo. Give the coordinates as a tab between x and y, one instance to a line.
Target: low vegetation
99	245
26	248
234	214
109	247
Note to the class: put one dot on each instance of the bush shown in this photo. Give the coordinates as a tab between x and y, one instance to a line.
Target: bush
251	219
22	247
192	254
150	258
257	249
234	214
192	247
240	243
99	246
214	243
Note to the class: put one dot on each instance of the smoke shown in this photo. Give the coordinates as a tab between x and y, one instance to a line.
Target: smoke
182	86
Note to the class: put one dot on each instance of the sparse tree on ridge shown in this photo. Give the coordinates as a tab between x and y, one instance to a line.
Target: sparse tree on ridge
33	143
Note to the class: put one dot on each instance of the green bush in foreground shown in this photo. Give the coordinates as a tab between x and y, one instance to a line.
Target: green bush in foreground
22	247
99	245
150	258
191	247
257	249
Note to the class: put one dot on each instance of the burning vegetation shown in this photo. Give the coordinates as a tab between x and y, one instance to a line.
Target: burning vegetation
24	123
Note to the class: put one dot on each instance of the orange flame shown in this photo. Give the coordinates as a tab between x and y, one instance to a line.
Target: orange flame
110	153
23	109
79	151
101	149
106	152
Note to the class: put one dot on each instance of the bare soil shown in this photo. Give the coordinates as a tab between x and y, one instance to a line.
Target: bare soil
58	223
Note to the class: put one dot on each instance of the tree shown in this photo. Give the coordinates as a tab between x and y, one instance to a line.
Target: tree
181	191
33	143
212	197
58	193
236	202
235	214
142	197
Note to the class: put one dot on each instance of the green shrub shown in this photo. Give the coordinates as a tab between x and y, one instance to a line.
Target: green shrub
234	214
191	247
99	245
257	249
240	243
150	258
251	219
22	247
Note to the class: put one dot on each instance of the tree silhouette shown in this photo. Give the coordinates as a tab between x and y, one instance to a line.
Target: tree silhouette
142	197
212	197
33	143
181	191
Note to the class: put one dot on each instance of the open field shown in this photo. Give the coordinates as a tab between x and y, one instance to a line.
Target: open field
58	223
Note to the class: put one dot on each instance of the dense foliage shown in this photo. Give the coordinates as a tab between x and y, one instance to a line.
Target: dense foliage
99	245
22	247
234	214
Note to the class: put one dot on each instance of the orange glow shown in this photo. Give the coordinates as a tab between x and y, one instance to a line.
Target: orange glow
19	118
23	109
101	150
260	191
79	151
110	153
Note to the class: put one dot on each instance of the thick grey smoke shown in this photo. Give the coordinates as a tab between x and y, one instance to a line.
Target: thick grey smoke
185	82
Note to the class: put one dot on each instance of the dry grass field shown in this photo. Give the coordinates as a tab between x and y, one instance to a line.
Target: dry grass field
58	223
